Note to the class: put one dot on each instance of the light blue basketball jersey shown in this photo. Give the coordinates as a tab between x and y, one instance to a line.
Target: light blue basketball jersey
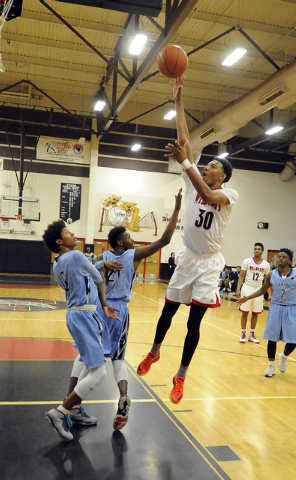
77	277
89	256
119	283
284	289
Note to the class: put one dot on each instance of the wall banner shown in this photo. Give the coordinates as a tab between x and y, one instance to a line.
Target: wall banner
70	202
59	150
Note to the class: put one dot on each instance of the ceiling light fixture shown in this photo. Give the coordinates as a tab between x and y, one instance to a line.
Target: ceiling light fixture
223	155
100	100
136	147
274	130
137	44
234	57
171	114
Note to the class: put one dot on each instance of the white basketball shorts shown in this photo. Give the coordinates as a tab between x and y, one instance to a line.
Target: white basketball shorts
196	278
255	305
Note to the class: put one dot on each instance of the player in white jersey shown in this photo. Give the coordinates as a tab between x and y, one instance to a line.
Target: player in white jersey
281	320
81	282
119	283
199	262
253	272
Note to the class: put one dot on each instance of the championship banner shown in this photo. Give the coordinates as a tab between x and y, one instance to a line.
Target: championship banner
70	202
60	150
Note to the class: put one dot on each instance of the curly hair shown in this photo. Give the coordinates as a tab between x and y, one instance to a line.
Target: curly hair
287	251
114	235
227	168
53	233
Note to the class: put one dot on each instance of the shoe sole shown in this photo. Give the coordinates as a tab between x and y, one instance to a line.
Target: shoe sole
175	403
56	431
242	341
75	422
251	341
269	376
119	422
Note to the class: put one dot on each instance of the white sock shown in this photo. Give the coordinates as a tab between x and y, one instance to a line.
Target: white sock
64	410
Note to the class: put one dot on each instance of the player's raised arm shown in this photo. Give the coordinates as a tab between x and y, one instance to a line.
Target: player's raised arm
182	128
165	239
258	293
180	154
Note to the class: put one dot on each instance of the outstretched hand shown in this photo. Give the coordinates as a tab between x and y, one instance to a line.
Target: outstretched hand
177	152
242	300
113	265
177	88
178	200
110	312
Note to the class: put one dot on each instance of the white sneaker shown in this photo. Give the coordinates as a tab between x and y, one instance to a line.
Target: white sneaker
79	416
283	363
243	338
61	423
252	338
270	371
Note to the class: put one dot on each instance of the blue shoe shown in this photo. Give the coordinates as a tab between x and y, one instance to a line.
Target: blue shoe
79	416
61	423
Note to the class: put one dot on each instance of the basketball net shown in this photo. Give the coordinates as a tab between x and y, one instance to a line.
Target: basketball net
5	7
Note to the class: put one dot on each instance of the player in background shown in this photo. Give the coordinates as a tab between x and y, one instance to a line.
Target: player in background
89	255
254	270
81	282
199	262
281	320
119	283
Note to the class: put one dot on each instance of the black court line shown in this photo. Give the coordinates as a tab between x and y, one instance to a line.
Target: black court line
153	445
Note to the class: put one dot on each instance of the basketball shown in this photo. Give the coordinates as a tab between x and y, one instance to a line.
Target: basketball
172	61
69	220
117	216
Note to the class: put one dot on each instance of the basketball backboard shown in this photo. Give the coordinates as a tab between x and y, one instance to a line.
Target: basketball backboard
12	207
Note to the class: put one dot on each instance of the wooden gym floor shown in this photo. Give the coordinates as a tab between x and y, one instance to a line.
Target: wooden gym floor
233	423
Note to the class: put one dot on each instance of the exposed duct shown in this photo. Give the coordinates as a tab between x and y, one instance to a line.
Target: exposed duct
289	170
278	91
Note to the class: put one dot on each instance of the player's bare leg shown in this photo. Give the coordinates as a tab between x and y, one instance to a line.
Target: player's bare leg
244	319
252	337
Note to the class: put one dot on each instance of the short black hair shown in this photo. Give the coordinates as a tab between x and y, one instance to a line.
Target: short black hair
114	235
258	244
53	233
287	251
227	168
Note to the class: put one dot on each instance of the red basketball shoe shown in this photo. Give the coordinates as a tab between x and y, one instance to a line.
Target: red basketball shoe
176	394
145	365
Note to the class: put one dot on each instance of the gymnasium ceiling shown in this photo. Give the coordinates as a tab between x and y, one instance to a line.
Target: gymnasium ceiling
48	66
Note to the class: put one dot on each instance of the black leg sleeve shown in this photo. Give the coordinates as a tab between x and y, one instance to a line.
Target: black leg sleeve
192	338
289	348
271	349
165	321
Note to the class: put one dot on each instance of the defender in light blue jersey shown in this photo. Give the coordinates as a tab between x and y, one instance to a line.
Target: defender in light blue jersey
81	282
119	270
281	320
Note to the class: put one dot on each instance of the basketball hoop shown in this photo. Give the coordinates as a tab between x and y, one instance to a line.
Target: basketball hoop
5	6
19	217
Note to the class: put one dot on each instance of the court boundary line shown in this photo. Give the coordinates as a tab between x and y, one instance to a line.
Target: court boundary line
207	457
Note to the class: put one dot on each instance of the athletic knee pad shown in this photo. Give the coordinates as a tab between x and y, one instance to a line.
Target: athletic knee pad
91	381
119	370
77	367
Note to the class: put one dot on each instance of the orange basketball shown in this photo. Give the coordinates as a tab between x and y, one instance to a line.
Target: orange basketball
172	61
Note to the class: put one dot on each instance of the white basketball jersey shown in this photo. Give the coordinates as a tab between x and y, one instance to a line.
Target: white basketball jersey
255	271
204	223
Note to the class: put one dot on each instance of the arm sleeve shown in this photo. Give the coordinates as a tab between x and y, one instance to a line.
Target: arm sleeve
86	268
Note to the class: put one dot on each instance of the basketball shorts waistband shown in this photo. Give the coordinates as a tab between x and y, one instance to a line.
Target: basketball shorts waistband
202	256
84	307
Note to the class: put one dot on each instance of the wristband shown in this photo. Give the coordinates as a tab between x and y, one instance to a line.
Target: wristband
186	164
